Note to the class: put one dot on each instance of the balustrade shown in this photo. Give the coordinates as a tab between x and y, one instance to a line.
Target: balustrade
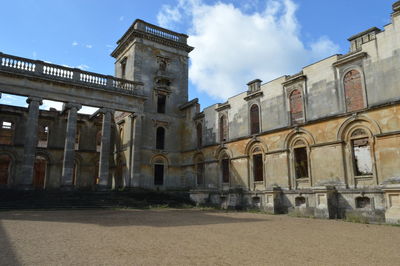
20	65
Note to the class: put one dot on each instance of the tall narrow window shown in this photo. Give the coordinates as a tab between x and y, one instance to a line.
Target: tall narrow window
300	159
361	153
5	167
296	107
158	174
353	91
225	170
199	131
200	173
254	119
223	128
258	168
123	68
43	136
160	138
161	101
7	133
40	169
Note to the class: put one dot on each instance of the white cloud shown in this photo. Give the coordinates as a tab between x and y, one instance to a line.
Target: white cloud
234	47
75	43
83	67
89	46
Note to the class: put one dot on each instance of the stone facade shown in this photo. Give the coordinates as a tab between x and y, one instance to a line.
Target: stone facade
324	142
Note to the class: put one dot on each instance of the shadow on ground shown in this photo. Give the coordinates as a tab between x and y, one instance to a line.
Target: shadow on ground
7	252
152	217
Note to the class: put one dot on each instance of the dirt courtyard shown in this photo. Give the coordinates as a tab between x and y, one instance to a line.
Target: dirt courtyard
189	237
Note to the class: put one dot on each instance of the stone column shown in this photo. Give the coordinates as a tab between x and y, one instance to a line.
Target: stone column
31	129
135	162
104	164
69	147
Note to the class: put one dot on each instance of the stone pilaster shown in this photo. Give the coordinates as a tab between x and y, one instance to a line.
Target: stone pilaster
104	164
31	127
69	147
136	148
325	202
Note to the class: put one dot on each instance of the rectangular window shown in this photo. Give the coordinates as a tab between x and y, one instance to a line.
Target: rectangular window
161	100
301	162
123	68
6	133
258	168
225	170
362	157
158	174
200	174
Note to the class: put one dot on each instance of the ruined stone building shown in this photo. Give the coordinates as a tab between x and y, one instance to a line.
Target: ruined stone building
325	140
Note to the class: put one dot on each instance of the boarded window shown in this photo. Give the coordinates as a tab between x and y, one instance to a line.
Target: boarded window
39	175
5	167
43	135
200	173
225	170
362	157
223	128
301	162
254	119
6	133
258	167
296	107
161	100
353	91
160	138
363	202
158	174
199	130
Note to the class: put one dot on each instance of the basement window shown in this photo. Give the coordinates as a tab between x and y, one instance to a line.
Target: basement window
363	202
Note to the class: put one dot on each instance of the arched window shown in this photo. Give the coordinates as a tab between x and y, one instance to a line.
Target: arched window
296	107
7	132
40	169
43	136
361	151
223	128
160	138
353	91
300	201
225	171
254	119
199	131
300	159
5	168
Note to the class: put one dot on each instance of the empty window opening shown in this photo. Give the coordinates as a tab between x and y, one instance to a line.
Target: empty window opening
75	174
353	91
296	107
258	167
7	133
223	128
161	101
300	202
200	173
363	202
98	141
158	174
160	138
123	68
225	170
5	168
199	130
362	157
43	136
254	119
301	162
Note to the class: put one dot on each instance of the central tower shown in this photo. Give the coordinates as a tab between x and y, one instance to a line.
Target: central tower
159	58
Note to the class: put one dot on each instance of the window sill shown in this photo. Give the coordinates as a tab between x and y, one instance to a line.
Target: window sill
364	177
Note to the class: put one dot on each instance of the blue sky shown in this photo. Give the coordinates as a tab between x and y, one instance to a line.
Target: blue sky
235	41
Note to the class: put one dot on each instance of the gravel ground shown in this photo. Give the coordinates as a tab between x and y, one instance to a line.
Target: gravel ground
189	237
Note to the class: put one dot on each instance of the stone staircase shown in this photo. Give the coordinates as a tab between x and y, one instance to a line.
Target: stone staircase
31	199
